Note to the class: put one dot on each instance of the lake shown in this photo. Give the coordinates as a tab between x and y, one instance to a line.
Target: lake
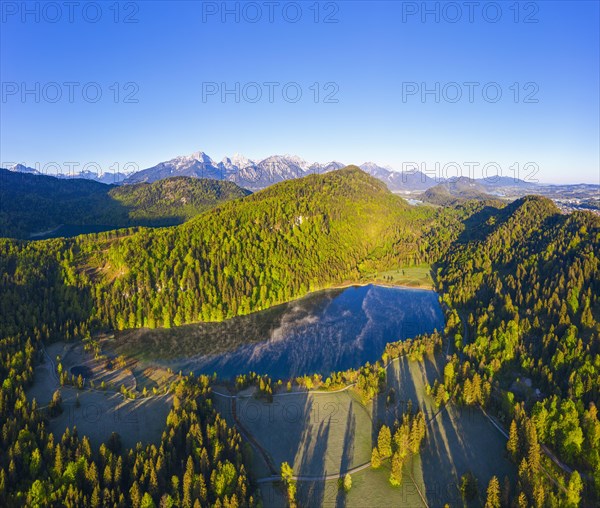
69	230
326	331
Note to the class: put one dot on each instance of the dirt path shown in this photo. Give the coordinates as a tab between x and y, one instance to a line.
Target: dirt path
336	476
275	476
52	366
333	476
312	392
251	439
543	448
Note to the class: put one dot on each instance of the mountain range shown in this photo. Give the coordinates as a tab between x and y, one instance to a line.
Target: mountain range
106	177
256	175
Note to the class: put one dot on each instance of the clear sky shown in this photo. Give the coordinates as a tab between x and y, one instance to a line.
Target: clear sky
373	58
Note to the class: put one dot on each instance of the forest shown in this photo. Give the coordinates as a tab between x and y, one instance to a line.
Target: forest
521	282
38	203
243	256
528	289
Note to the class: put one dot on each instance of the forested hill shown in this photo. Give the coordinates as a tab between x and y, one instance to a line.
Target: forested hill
36	203
528	288
537	273
250	254
173	200
33	203
523	279
242	256
454	192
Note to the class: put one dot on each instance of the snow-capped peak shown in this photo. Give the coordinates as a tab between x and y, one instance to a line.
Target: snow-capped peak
294	159
21	168
370	166
238	160
201	157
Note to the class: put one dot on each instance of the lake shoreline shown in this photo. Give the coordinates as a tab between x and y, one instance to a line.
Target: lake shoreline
374	283
41	234
315	292
325	331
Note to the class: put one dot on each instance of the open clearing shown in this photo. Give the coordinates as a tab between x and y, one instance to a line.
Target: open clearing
411	276
370	489
327	433
459	439
98	413
317	433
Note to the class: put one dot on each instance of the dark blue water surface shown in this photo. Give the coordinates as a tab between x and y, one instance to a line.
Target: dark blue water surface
331	331
69	230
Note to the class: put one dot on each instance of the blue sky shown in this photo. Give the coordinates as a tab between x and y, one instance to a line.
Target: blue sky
363	55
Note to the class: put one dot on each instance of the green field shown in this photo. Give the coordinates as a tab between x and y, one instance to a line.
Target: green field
98	414
323	434
459	439
317	433
411	276
370	489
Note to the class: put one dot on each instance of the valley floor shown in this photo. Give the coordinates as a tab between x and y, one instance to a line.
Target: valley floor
324	435
97	412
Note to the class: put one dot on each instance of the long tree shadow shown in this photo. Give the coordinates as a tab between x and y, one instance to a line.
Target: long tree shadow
407	379
347	454
459	440
312	492
401	397
295	430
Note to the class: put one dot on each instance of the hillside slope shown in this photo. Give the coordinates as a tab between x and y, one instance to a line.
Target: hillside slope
32	203
246	255
174	200
454	192
527	290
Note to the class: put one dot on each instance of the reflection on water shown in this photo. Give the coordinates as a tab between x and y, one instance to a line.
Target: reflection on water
328	331
69	230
